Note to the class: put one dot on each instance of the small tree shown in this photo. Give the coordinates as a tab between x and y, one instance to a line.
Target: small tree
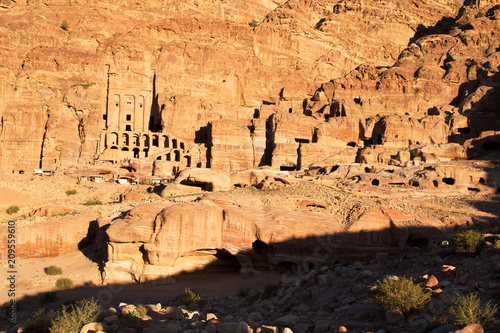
400	293
467	309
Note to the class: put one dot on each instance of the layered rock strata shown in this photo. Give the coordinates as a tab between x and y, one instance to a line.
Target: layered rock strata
83	81
157	241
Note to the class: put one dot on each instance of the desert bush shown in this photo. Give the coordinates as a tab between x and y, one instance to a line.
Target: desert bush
91	202
467	309
64	283
468	241
254	24
40	321
271	290
71	318
140	311
243	291
192	297
12	209
400	293
70	192
53	270
48	297
64	25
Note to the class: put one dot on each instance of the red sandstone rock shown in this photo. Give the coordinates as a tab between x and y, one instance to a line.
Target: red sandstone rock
50	238
432	282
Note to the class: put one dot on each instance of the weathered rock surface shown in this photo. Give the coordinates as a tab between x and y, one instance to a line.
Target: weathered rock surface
52	237
88	80
155	241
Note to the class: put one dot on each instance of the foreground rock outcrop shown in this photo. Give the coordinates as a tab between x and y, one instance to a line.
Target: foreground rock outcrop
156	241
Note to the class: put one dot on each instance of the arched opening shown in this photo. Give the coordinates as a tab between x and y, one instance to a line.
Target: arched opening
136	152
146	152
125	149
177	156
449	181
158	158
225	262
415	183
145	139
125	139
113	139
128	128
187	161
167	157
181	145
259	257
155	141
174	143
435	183
136	141
482	181
21	172
375	182
198	165
114	148
165	141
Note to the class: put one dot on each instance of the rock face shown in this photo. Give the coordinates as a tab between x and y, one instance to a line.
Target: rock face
51	238
156	241
90	80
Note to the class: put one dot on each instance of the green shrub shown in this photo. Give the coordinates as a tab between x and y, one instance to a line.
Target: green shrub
64	25
49	297
192	297
400	293
40	321
71	318
91	202
468	241
53	270
243	291
140	311
271	290
467	309
12	209
70	192
64	283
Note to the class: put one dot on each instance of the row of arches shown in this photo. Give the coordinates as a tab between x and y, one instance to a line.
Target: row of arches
141	140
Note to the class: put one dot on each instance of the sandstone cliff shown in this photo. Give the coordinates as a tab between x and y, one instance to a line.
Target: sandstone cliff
85	80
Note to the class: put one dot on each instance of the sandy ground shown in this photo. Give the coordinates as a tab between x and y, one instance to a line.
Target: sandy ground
33	192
